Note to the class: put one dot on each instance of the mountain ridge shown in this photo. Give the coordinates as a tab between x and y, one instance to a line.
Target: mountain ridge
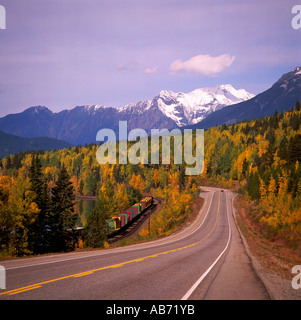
200	108
12	144
281	96
80	124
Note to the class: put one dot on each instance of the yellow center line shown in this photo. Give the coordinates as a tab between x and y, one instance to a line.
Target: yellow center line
22	290
77	275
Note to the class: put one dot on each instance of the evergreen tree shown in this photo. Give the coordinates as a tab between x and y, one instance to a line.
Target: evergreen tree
8	163
90	184
44	219
63	219
81	187
38	230
294	149
94	232
245	167
253	186
283	149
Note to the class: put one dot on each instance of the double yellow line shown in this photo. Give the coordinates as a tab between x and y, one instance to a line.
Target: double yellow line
82	274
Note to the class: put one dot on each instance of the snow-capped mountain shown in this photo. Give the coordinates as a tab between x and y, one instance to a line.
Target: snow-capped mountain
280	97
214	105
188	108
192	107
166	110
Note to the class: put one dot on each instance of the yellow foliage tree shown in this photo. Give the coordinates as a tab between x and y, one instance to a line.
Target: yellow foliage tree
137	182
272	191
156	178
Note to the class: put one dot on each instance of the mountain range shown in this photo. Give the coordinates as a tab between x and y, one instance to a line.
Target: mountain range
201	108
80	125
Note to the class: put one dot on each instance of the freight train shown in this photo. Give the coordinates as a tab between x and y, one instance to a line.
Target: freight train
120	220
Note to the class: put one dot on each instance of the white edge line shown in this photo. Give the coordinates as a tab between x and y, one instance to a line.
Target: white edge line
196	284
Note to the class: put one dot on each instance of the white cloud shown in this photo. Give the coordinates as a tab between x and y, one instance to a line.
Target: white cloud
203	64
151	70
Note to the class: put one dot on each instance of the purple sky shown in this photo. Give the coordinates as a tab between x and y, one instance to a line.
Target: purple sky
65	53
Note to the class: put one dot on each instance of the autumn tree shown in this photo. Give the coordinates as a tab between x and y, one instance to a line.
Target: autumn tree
18	212
156	178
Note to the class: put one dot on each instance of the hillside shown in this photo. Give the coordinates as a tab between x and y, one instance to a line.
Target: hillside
11	144
263	156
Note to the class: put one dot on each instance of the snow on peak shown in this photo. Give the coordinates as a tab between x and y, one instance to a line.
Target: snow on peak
167	94
38	109
92	108
192	107
297	71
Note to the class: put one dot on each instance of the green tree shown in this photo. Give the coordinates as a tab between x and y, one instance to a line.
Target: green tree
90	185
133	195
253	186
81	187
95	230
283	149
35	175
295	149
63	218
38	237
245	167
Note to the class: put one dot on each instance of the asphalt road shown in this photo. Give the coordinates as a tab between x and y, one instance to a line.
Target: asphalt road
186	265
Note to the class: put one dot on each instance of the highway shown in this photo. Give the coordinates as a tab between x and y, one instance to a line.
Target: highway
183	266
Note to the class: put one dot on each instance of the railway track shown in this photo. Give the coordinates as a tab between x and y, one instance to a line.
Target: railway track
134	225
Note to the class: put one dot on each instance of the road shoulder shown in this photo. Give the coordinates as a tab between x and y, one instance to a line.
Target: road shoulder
236	279
272	265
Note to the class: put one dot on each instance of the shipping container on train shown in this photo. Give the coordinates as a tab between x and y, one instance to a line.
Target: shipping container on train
134	211
138	205
120	220
124	219
129	214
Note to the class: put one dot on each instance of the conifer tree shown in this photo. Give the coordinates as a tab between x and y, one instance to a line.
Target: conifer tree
95	230
245	167
253	186
38	230
35	176
63	219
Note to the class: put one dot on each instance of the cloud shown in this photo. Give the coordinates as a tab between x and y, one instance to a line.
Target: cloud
203	64
151	70
127	66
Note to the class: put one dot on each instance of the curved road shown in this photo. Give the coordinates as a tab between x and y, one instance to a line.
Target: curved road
191	264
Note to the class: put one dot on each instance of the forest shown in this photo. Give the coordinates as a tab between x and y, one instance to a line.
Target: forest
259	157
263	157
37	192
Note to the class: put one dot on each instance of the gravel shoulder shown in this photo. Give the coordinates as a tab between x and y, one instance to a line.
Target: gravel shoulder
272	260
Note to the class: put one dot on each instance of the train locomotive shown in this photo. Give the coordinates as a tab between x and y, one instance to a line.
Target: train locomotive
119	221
